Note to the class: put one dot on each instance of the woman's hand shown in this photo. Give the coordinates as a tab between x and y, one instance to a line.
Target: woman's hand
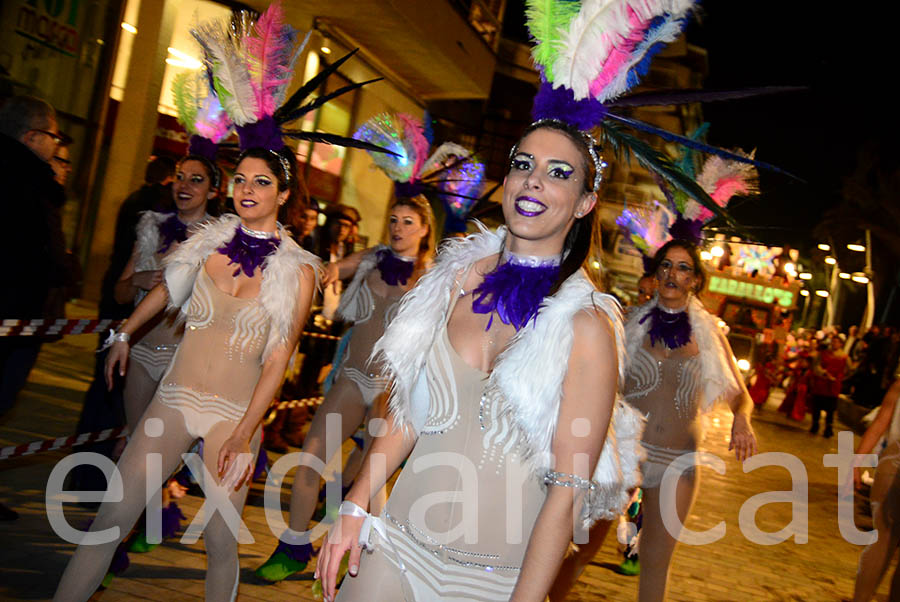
147	280
118	354
743	439
330	274
235	463
343	536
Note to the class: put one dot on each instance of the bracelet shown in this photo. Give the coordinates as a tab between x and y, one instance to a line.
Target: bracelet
561	479
114	337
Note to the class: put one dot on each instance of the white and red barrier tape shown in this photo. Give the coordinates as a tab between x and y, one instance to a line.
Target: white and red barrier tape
32	328
40	327
26	449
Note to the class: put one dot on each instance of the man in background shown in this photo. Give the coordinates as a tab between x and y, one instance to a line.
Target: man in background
32	244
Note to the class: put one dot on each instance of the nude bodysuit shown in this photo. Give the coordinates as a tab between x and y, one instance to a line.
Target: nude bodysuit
666	390
461	513
218	362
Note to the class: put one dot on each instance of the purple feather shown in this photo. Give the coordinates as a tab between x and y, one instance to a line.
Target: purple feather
171	520
248	251
394	270
672	329
265	133
514	292
687	229
560	103
202	147
171	230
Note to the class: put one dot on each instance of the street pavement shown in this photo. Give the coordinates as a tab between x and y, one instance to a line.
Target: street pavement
815	563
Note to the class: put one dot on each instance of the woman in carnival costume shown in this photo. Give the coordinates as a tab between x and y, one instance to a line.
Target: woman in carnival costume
381	275
244	289
501	355
875	559
680	364
197	181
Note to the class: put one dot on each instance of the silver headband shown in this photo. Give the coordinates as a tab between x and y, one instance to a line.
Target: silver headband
285	167
596	159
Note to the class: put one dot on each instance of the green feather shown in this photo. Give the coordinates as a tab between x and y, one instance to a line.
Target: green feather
184	94
548	21
625	146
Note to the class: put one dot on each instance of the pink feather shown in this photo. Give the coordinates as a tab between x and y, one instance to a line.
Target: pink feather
620	53
269	49
415	134
729	187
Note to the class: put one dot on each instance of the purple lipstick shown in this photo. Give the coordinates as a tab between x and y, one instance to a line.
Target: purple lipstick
529	206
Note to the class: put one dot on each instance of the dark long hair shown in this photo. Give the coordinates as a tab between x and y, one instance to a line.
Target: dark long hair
583	239
691	249
290	182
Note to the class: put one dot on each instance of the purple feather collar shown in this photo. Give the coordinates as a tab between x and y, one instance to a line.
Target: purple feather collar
395	269
516	288
171	230
249	249
671	328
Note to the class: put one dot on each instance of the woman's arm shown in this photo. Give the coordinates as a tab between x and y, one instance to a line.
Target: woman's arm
743	439
878	427
343	268
384	457
152	304
589	392
269	381
130	282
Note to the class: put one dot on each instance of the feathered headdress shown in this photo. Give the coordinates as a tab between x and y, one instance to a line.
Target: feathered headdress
683	217
200	113
591	53
252	65
452	172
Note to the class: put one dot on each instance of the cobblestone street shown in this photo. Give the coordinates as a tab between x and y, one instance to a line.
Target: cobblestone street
732	568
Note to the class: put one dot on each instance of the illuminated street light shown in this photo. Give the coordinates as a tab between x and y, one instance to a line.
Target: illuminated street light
844	275
717	251
830	260
129	27
822	293
856	247
805	276
824	247
705	255
860	278
804	293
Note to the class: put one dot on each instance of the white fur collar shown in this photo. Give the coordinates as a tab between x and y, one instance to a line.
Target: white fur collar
353	305
147	245
719	383
528	375
280	288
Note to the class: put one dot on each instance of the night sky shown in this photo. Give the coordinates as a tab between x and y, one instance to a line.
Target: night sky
845	63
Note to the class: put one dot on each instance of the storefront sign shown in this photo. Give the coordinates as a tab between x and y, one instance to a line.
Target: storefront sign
51	23
763	292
